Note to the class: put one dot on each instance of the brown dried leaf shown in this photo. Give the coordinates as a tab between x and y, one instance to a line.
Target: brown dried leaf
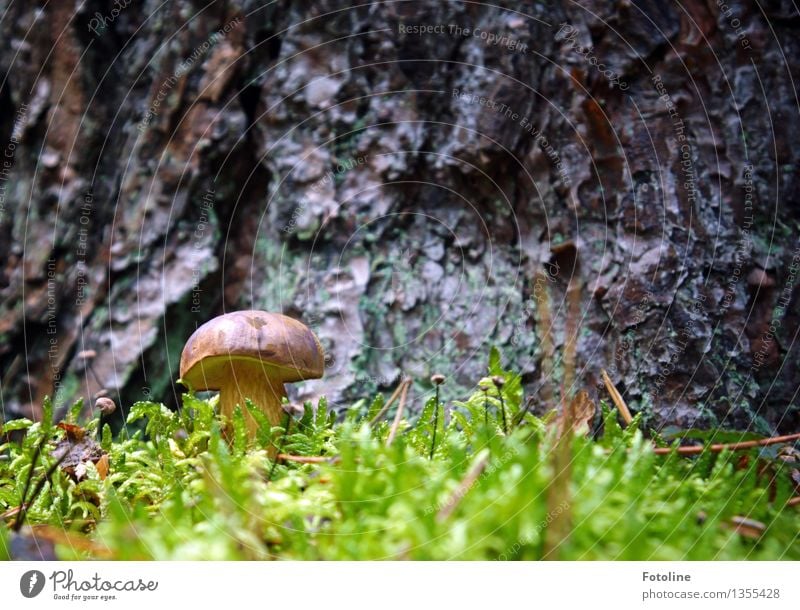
580	412
102	466
74	434
78	448
57	535
583	410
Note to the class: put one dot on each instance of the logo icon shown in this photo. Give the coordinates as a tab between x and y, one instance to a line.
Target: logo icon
31	583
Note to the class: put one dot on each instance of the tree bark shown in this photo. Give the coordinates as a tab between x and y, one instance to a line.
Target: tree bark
398	175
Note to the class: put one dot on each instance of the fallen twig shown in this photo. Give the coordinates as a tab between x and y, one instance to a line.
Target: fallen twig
749	528
794	501
740	446
617	398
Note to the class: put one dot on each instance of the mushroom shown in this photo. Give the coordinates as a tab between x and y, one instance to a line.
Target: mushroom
251	354
758	278
105	405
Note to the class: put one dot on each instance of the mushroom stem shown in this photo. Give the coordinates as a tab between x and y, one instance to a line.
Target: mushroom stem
252	382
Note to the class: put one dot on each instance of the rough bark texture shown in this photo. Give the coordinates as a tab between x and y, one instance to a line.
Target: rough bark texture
315	158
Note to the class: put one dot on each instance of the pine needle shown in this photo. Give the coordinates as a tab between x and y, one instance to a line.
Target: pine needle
741	446
560	526
385	409
580	413
545	322
748	528
399	415
617	398
463	487
308	459
571	329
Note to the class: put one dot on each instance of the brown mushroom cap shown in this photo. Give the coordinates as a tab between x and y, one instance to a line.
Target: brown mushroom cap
284	348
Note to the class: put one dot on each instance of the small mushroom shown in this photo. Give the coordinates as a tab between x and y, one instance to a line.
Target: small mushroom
758	278
251	354
105	405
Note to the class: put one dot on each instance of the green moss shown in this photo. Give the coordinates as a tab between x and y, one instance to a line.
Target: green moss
178	490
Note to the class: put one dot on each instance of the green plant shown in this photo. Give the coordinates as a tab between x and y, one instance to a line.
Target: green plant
178	490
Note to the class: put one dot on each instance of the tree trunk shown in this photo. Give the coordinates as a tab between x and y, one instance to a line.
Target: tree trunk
398	175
